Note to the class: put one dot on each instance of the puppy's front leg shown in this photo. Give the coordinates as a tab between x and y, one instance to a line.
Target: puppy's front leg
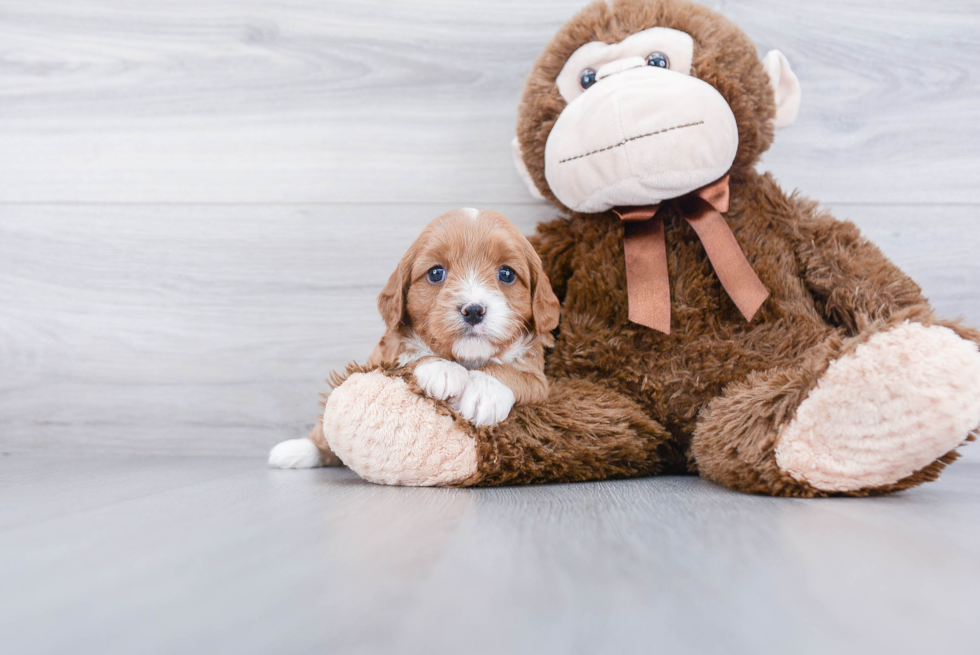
477	396
485	400
494	389
528	384
440	378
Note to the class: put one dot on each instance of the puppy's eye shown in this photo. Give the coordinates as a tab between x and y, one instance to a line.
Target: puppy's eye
658	59
507	275
436	274
587	79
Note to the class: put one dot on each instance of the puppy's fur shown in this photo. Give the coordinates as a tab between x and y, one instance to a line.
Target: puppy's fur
481	369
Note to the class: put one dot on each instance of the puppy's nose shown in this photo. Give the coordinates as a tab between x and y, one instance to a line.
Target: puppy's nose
473	313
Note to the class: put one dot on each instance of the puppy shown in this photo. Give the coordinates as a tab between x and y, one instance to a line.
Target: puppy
469	311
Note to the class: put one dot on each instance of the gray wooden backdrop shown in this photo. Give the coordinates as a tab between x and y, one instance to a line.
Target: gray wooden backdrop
199	200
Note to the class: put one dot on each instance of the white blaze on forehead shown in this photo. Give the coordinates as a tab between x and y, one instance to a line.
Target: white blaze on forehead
471	213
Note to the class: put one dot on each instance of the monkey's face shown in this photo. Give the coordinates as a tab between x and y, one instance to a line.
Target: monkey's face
638	128
638	101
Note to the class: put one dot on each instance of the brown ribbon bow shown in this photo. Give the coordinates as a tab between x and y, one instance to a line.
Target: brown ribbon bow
647	281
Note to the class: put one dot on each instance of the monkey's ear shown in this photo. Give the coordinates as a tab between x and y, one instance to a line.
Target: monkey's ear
785	86
515	147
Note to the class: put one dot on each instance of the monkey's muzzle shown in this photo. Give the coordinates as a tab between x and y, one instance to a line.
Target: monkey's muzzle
639	137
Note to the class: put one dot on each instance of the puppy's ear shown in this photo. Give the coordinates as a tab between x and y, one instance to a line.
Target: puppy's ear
393	298
545	308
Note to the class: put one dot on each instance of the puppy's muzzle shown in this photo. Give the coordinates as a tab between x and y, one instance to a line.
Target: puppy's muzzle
473	313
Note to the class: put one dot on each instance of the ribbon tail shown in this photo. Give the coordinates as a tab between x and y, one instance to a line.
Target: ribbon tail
646	273
734	271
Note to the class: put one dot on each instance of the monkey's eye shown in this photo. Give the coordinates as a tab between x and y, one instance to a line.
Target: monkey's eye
507	275
658	59
436	274
588	78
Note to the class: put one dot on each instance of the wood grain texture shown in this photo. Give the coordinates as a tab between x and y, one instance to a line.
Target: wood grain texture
310	101
210	329
138	313
188	328
204	555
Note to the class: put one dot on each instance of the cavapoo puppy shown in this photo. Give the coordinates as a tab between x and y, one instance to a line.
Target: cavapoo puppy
470	311
470	308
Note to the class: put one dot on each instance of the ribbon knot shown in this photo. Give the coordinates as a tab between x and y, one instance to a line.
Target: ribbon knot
647	280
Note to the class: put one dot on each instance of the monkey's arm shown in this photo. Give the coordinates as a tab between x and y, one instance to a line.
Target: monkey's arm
849	277
555	242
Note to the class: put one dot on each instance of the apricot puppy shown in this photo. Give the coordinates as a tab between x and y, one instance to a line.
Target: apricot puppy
470	309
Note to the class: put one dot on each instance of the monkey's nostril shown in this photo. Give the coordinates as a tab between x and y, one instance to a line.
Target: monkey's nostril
473	313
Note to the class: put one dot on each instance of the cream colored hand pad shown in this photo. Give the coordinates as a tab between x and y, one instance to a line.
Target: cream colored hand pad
387	434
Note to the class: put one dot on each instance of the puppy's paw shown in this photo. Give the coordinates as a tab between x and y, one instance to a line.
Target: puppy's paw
485	400
295	454
441	379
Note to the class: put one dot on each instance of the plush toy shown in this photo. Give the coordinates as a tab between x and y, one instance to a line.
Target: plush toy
710	322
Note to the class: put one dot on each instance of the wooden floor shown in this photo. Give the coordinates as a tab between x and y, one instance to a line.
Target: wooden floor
199	203
214	555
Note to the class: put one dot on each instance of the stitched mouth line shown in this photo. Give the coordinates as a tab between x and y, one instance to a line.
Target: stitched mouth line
632	138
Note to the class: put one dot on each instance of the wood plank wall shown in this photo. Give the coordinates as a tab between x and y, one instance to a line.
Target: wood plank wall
200	200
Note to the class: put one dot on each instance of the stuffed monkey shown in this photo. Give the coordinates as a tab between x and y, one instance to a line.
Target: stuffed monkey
711	323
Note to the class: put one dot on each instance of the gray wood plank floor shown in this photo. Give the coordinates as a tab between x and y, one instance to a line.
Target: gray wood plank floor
219	555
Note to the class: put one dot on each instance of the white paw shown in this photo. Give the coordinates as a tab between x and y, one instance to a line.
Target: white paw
485	400
891	407
295	454
441	379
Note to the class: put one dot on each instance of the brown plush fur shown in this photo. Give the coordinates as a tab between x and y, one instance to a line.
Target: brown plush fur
830	290
726	384
712	396
553	439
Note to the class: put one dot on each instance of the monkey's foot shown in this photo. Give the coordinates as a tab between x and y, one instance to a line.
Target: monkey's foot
389	434
894	405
